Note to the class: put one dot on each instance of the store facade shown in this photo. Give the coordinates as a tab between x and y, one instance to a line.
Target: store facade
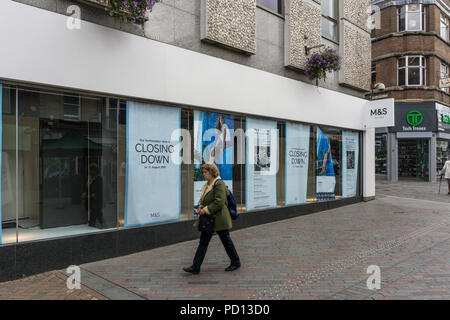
100	161
417	146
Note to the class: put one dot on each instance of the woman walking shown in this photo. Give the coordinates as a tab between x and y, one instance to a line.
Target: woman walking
446	170
213	202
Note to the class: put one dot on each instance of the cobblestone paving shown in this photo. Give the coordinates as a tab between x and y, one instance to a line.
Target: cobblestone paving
405	231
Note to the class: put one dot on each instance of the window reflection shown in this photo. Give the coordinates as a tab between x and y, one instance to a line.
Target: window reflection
71	167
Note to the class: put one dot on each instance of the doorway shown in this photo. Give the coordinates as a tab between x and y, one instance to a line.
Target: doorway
413	158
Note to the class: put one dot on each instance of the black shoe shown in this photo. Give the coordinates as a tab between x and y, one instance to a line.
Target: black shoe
232	268
190	270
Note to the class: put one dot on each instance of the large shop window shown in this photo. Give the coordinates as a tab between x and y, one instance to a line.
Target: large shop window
75	163
272	5
412	17
381	154
442	154
412	71
62	170
330	14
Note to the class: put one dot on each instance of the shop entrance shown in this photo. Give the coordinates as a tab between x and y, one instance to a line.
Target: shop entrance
413	156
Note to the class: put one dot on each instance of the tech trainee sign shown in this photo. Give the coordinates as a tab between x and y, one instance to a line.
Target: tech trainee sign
415	117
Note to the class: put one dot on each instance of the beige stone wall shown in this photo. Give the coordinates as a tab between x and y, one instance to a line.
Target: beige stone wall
355	48
231	23
357	12
355	43
303	18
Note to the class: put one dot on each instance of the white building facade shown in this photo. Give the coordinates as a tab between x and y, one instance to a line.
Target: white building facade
105	125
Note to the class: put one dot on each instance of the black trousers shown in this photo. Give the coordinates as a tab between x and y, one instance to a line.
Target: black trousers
205	238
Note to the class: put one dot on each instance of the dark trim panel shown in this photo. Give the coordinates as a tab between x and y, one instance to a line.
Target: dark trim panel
25	259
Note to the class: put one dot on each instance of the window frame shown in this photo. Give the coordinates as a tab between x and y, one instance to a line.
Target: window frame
444	75
373	73
444	24
422	13
70	117
281	5
422	69
334	21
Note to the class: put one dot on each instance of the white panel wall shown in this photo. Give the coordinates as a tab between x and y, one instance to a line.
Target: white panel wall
38	47
369	163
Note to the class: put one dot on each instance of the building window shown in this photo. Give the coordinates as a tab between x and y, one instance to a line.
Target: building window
445	28
330	19
444	75
373	23
374	73
272	5
412	17
71	108
412	71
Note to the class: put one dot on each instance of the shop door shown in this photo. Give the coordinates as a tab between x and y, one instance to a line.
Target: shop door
413	156
422	159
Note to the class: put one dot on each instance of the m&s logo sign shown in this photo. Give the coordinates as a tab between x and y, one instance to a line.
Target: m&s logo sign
414	118
378	112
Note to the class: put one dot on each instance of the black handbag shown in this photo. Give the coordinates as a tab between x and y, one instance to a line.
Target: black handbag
206	223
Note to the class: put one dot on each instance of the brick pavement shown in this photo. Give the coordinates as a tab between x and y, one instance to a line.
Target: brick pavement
319	256
45	286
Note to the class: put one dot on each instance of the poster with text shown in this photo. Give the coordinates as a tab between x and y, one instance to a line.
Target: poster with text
261	164
153	177
297	158
350	156
325	176
213	143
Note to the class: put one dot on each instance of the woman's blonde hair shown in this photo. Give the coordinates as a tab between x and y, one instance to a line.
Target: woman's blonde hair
212	169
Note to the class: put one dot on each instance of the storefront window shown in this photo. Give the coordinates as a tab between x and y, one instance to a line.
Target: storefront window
328	163
413	156
79	166
442	153
239	163
298	161
381	154
281	176
8	165
187	168
67	164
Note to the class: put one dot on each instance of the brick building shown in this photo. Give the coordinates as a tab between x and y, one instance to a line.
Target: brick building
410	54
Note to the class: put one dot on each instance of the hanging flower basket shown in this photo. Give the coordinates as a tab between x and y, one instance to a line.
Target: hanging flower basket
318	64
134	11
